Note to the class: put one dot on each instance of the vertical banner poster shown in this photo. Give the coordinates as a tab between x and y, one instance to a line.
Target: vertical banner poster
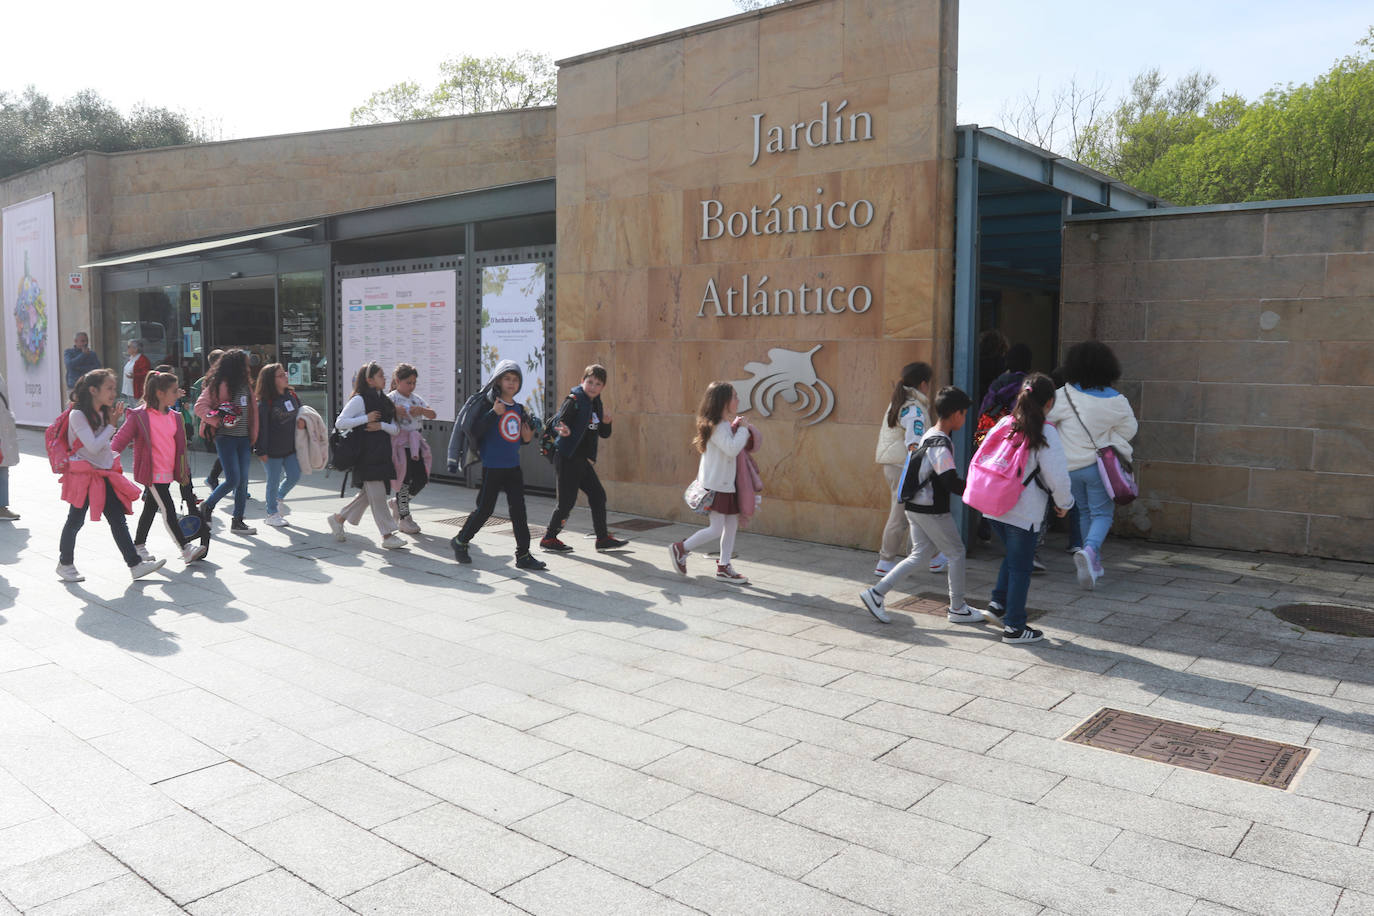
403	318
29	272
512	322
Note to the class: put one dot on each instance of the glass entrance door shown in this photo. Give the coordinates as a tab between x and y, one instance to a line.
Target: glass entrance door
243	315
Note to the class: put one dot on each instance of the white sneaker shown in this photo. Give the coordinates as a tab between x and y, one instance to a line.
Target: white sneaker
336	526
964	614
192	552
874	602
1082	562
69	574
143	553
394	541
276	521
408	525
939	564
147	566
884	567
282	508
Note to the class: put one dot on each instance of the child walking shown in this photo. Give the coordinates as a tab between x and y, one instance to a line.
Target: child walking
410	452
278	418
719	441
227	406
930	478
1018	527
94	481
370	414
501	429
159	438
904	423
583	423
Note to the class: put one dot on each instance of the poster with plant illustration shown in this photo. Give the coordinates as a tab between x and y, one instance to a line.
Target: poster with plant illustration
512	321
28	273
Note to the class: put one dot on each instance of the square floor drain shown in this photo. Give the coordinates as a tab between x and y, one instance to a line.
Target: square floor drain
1266	763
640	524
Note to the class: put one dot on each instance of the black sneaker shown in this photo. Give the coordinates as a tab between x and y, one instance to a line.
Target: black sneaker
529	561
239	526
1022	636
460	550
993	613
610	543
554	545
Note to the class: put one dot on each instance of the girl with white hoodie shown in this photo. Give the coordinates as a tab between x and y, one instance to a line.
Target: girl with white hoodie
904	423
719	440
1091	414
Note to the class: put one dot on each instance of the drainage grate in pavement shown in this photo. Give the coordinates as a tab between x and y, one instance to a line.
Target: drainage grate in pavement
1266	763
1328	618
495	521
640	524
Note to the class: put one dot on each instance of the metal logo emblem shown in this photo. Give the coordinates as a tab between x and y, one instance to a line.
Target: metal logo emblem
789	375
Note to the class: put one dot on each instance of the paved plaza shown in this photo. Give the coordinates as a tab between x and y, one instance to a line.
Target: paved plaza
297	726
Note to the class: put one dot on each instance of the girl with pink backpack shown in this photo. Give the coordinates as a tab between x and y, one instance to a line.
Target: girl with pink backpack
1019	465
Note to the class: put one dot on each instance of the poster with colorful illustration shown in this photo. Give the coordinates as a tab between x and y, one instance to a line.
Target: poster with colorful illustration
512	321
402	318
29	274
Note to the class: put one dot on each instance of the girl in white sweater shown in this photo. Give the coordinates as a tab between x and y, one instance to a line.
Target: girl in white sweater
1091	414
904	423
719	441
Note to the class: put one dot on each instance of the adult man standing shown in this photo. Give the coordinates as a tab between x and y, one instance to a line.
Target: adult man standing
79	358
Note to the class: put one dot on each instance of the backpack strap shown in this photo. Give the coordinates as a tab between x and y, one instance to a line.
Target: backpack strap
1091	440
919	455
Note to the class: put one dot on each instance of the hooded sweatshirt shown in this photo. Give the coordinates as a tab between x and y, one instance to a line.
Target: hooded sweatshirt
499	436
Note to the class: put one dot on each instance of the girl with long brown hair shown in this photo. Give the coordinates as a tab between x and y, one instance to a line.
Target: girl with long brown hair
719	440
227	406
278	409
372	415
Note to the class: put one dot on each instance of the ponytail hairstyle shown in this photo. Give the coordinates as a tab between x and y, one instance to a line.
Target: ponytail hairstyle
361	388
85	401
156	383
266	390
914	375
1028	415
402	372
711	411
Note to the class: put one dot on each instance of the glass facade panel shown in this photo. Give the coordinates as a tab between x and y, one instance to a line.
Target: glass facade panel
301	337
153	315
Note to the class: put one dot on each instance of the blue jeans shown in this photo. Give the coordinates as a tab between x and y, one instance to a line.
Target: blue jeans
4	486
276	487
235	453
1013	579
1095	507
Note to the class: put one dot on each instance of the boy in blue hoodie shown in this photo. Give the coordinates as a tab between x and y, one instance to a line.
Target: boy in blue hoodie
500	429
582	422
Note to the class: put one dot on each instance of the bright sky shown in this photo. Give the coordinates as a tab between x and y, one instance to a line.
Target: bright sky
252	68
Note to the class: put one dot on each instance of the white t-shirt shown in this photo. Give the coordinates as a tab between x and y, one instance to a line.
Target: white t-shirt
937	460
128	389
411	423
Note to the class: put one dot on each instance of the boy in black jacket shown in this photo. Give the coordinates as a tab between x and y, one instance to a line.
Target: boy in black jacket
583	423
926	498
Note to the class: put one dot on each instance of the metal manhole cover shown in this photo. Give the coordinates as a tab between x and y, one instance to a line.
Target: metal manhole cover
1266	763
640	524
1328	618
936	604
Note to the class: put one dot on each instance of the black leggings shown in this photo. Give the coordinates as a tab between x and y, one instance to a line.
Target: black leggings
114	517
578	474
495	480
415	481
158	498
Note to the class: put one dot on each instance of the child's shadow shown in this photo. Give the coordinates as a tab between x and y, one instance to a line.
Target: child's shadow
104	622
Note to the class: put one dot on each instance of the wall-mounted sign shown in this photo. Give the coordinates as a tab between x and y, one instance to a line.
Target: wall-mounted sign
30	298
789	375
512	321
74	280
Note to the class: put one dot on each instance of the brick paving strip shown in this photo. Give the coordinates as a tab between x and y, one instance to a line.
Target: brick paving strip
301	726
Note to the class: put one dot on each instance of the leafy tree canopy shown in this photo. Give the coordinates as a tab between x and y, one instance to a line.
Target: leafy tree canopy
34	131
1187	146
467	85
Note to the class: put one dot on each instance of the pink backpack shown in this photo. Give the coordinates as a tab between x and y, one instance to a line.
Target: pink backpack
57	444
997	474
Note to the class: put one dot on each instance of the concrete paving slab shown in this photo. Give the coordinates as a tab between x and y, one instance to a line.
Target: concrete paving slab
479	851
573	888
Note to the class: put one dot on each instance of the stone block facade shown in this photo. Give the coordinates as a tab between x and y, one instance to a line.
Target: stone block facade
1247	341
658	138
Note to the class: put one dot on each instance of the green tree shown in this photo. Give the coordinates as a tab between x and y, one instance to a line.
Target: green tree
34	131
467	85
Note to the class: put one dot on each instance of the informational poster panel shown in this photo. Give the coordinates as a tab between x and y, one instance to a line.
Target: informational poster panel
404	318
512	322
34	359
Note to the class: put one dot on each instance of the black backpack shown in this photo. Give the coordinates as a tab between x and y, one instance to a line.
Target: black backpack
548	436
911	482
344	449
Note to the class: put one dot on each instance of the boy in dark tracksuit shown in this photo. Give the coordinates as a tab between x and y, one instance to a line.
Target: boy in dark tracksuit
500	431
583	423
